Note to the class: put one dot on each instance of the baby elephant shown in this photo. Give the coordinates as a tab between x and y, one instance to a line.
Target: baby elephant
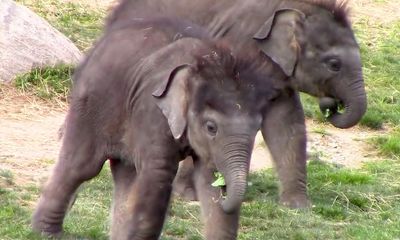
149	94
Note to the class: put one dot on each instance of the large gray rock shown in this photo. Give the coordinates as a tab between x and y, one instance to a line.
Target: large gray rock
27	41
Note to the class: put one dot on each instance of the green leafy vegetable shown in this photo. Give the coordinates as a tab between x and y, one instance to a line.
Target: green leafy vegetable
219	180
327	113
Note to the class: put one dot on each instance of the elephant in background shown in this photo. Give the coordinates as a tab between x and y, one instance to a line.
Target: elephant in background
147	97
314	44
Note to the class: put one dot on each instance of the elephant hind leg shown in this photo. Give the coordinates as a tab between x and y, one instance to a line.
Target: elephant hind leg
124	175
80	159
183	185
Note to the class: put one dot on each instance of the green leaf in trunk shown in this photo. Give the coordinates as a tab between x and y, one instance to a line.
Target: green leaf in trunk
219	180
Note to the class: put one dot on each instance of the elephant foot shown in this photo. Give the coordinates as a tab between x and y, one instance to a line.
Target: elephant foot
49	225
47	230
295	201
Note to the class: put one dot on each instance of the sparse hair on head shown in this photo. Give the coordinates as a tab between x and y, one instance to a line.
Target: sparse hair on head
226	63
339	9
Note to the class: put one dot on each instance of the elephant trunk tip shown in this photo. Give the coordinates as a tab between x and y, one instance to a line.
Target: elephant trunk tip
230	207
350	117
234	197
353	111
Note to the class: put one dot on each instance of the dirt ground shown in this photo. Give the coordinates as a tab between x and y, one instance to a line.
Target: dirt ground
384	12
28	134
343	147
29	141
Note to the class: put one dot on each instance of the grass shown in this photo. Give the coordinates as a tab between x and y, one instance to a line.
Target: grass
15	209
80	23
347	204
6	177
388	145
381	70
88	219
320	130
48	82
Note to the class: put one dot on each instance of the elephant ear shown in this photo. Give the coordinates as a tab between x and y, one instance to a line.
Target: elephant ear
277	38
172	98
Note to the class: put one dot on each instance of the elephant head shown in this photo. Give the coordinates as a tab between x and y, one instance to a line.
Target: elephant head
317	48
216	102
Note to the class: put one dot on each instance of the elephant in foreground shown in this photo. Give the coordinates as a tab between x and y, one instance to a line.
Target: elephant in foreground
311	40
147	97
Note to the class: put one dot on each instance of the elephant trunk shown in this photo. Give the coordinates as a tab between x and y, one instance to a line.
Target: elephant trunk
235	169
354	101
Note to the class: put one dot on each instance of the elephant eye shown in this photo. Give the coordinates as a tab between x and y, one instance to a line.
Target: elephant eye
334	64
211	128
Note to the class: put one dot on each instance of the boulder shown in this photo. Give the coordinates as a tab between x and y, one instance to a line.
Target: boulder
28	41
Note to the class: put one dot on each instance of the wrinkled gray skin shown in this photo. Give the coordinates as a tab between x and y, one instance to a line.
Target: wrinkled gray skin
312	44
147	98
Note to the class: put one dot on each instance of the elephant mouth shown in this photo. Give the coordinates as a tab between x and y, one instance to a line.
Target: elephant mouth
223	192
330	106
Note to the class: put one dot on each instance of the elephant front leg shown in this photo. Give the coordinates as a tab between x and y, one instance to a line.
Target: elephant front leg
285	134
147	202
81	158
218	224
72	169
